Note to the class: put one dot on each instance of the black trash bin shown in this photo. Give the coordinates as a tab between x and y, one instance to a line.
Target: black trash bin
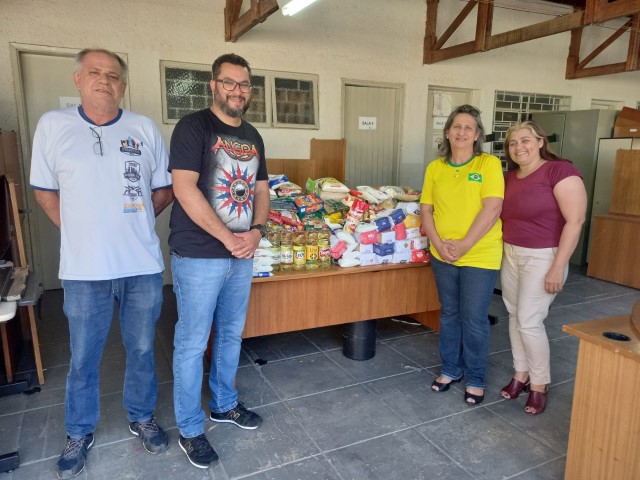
359	340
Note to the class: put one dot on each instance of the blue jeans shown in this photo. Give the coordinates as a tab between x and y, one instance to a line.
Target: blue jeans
465	294
89	307
208	290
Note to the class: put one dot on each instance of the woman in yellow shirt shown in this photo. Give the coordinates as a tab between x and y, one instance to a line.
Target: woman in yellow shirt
460	209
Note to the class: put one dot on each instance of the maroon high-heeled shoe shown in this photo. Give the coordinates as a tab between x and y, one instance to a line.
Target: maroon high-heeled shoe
514	388
536	401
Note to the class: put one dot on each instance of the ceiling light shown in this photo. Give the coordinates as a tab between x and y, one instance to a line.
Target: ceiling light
294	6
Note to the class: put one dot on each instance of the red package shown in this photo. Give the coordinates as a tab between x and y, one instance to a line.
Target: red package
355	215
418	256
275	217
401	231
338	249
290	218
369	237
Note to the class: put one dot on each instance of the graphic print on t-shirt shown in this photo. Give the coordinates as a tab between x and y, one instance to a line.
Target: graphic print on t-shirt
132	173
230	175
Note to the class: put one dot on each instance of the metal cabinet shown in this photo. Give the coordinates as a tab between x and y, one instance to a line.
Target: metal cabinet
576	136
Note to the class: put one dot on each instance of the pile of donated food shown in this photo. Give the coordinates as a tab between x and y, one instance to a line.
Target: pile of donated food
330	223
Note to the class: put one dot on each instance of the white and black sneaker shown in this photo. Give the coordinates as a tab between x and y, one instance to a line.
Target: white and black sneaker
239	416
74	455
199	451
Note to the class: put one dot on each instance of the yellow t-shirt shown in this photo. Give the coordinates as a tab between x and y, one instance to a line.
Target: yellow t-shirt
456	193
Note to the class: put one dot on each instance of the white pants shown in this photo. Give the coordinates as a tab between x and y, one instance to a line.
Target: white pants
522	281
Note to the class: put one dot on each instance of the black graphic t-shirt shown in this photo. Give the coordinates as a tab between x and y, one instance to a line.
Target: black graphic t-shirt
229	160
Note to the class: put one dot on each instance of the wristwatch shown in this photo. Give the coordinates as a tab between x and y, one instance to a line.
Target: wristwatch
259	226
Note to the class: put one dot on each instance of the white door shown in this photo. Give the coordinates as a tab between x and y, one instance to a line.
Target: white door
45	83
372	132
440	102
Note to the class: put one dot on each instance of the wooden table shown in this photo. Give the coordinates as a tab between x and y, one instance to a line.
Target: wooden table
604	437
290	301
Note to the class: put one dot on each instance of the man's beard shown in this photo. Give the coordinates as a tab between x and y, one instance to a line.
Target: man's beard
232	112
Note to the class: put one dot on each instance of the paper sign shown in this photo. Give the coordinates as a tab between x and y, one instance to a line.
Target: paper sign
441	104
68	102
438	122
367	123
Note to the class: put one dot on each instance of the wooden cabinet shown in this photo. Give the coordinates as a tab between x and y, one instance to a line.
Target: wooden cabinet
604	438
614	254
291	301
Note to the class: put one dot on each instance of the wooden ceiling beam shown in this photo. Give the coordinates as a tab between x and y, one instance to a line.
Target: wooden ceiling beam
560	24
601	10
578	69
236	25
594	11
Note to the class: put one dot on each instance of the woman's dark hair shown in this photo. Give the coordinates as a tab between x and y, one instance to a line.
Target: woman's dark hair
445	148
537	132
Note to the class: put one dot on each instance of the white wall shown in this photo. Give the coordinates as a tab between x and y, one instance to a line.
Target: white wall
375	40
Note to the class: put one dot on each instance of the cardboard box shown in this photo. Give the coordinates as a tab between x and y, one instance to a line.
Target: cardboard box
401	257
368	259
627	123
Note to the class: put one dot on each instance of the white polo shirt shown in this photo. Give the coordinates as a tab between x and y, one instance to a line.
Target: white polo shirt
106	213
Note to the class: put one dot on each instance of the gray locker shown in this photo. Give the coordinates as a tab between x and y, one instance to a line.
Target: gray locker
577	134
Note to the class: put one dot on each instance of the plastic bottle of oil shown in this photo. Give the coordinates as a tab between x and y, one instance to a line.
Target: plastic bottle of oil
324	249
299	250
313	260
286	251
274	239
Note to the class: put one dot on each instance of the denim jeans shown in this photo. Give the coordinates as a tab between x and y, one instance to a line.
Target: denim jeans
465	294
208	290
89	307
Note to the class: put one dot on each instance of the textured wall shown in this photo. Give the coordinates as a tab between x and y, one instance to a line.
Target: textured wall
373	40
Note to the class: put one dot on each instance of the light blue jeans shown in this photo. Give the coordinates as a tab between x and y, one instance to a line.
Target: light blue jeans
208	291
89	307
465	294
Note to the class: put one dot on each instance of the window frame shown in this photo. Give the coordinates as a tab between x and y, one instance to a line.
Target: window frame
270	111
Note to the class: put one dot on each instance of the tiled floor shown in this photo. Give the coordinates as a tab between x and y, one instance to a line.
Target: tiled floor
326	417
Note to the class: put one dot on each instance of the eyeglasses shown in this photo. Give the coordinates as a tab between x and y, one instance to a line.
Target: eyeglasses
97	133
230	85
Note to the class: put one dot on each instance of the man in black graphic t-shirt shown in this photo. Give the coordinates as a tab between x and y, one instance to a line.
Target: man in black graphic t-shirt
222	202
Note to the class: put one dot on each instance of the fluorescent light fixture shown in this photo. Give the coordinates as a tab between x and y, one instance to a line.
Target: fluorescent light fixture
294	6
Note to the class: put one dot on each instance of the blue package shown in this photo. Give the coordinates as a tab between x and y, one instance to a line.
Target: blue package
383	224
383	249
397	216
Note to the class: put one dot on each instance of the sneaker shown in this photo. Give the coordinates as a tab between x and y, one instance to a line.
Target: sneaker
73	457
239	416
199	451
153	437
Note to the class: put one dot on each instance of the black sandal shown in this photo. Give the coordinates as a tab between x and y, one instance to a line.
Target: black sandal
439	387
477	399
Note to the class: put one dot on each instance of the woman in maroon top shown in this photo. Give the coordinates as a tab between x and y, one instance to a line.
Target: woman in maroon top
542	216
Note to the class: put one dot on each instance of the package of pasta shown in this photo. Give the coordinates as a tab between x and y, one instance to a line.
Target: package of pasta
358	207
307	204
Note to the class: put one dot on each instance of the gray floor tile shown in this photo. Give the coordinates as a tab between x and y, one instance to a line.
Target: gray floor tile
326	417
342	417
485	444
386	362
551	428
553	470
305	375
277	347
402	455
279	440
411	397
325	338
316	468
421	349
253	389
128	459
